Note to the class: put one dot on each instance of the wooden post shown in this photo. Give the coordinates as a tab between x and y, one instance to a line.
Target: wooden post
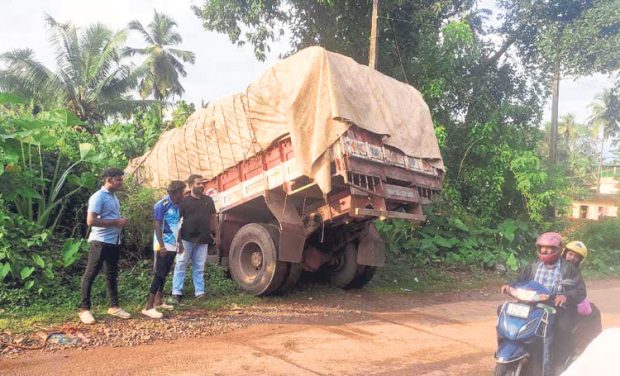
372	52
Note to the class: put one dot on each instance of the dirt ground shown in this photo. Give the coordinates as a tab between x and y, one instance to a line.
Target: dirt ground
344	333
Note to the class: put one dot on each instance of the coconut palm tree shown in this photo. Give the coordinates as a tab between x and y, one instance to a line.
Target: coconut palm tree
605	115
163	63
90	79
605	120
567	128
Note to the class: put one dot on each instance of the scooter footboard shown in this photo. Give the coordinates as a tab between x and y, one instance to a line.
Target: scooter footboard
510	351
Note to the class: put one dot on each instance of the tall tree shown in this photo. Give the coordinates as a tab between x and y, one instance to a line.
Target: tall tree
605	121
90	79
605	114
164	63
567	128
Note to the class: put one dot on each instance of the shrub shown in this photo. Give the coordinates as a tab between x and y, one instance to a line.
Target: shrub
461	239
22	263
603	241
137	206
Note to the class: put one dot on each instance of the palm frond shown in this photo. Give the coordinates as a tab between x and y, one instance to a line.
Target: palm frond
137	26
185	55
26	76
178	66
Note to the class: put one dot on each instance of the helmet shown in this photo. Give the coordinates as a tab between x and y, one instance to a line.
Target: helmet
553	240
577	247
549	239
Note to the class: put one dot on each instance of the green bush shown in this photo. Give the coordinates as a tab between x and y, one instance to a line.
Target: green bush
458	239
22	263
137	205
603	241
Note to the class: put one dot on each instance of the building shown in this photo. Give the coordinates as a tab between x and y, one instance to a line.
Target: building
605	201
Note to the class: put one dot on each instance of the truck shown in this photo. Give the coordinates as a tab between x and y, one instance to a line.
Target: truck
300	166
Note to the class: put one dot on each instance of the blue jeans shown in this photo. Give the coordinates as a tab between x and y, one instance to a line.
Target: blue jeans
197	254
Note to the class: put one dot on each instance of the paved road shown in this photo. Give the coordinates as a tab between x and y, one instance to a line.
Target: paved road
433	338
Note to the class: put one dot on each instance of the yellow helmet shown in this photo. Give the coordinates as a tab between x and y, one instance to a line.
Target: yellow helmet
577	247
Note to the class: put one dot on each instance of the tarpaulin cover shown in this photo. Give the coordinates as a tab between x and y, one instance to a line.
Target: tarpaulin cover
313	96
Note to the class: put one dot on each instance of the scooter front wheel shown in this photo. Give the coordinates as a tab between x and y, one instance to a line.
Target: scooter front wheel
509	369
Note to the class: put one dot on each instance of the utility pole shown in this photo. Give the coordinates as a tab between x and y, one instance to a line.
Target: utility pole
372	52
555	96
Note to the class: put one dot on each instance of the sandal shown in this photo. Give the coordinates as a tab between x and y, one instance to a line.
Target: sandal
87	317
152	313
119	312
165	306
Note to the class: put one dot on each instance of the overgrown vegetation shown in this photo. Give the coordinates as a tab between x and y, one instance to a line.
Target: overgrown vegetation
602	239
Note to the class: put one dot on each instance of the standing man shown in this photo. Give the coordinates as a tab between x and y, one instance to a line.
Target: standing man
195	210
166	227
104	215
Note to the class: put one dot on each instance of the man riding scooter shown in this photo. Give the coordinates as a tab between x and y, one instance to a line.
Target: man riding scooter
566	285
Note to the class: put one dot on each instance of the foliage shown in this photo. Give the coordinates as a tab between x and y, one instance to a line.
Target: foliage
121	141
605	117
91	79
41	158
461	241
161	69
182	112
21	262
602	239
137	206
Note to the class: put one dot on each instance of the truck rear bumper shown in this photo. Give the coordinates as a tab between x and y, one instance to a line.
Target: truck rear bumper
385	214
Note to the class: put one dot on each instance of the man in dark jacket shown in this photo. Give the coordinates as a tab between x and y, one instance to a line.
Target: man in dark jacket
194	238
566	284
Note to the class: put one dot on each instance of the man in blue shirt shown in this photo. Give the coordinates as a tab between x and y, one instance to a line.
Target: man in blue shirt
104	215
166	228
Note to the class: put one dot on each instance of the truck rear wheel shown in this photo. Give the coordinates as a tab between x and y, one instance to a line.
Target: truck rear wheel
292	276
254	261
342	271
363	275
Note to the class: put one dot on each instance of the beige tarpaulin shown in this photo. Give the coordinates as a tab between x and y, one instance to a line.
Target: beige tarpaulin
313	96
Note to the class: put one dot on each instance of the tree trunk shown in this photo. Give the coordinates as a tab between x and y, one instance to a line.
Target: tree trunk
555	97
372	52
600	164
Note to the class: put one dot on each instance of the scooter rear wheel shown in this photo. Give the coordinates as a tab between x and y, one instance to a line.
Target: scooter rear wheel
509	369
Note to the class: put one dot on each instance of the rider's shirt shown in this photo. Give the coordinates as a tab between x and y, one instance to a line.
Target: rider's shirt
549	276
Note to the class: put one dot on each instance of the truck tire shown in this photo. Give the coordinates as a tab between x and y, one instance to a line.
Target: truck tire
343	271
363	275
253	260
292	276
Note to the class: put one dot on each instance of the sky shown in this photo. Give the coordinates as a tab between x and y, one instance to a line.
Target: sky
221	68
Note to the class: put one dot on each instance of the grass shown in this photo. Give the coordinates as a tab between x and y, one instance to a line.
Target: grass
58	307
399	276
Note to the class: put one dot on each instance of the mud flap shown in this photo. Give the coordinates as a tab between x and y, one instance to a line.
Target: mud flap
509	352
371	249
292	234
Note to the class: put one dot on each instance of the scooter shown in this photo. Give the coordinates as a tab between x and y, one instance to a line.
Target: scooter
522	329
